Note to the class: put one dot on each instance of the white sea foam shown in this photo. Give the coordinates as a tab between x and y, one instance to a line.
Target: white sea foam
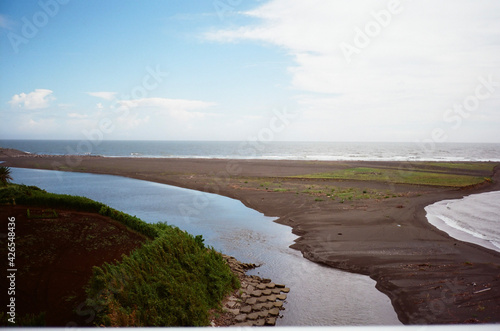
474	218
275	150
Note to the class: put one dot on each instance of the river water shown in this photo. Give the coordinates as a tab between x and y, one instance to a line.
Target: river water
319	296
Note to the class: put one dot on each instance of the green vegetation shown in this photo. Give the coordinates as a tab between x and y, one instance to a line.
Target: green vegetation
5	176
480	166
353	193
172	280
43	214
400	176
28	320
298	186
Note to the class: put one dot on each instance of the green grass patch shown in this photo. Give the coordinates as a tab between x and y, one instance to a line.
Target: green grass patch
171	281
400	176
348	193
42	214
481	166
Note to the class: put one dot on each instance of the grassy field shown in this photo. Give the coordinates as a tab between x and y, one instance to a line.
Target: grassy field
417	176
481	166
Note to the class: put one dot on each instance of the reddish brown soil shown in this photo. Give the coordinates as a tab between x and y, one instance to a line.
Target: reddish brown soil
54	260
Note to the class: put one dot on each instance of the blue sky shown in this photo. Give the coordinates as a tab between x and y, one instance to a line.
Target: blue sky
395	70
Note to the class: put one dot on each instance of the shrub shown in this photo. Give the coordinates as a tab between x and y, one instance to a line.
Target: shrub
171	281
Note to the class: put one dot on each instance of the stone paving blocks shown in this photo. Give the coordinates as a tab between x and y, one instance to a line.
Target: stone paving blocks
256	303
246	309
271	321
251	301
276	291
274	312
261	286
262	299
281	296
253	316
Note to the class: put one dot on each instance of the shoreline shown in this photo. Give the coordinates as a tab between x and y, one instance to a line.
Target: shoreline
442	222
399	258
251	158
247	150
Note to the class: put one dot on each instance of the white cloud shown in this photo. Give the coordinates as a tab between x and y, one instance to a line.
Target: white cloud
103	95
165	103
252	117
179	109
31	126
132	121
38	99
77	115
429	55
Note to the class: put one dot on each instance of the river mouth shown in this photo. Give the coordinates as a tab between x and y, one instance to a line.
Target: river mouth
319	296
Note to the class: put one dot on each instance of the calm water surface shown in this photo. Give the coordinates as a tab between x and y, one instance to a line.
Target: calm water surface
318	296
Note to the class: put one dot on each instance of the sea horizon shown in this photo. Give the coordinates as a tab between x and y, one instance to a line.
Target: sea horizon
273	150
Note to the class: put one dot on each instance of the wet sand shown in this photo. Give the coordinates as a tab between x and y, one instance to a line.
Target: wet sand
430	277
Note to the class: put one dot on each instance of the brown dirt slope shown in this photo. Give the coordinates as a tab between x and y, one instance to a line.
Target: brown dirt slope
55	256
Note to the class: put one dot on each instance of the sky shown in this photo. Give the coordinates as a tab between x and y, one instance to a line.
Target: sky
285	70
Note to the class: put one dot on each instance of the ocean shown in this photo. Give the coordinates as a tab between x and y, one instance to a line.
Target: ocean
474	218
275	150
